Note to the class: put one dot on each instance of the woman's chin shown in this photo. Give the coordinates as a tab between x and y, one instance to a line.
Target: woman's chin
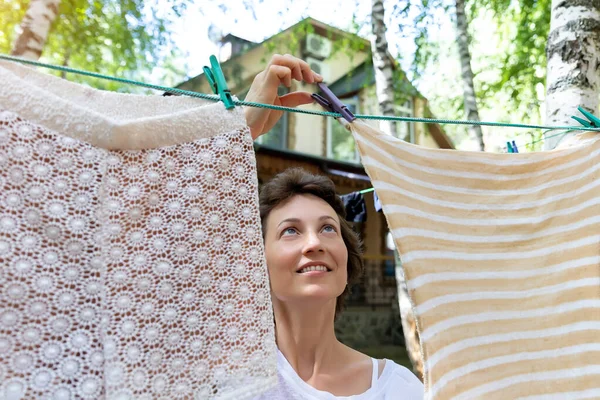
308	293
320	292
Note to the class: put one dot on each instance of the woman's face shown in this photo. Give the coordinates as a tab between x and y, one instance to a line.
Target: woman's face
306	255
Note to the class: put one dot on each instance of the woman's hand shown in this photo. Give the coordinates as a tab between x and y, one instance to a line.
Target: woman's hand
280	70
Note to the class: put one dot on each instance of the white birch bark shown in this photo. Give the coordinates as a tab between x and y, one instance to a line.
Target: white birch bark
573	75
384	71
470	101
385	96
35	28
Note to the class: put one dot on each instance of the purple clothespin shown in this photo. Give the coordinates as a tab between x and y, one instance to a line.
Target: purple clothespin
330	102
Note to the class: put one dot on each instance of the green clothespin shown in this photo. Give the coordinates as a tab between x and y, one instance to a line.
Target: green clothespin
509	147
592	122
217	82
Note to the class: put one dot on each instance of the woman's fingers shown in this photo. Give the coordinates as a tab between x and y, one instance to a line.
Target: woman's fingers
307	74
301	67
288	62
300	70
280	71
295	99
277	74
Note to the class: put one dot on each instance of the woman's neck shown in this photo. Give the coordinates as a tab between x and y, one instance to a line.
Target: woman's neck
306	337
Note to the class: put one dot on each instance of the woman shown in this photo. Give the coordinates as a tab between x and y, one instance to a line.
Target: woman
313	257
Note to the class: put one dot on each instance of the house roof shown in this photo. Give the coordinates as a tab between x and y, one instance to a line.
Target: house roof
319	27
437	132
232	37
363	76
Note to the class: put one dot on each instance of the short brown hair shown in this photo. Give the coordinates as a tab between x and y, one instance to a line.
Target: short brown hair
296	181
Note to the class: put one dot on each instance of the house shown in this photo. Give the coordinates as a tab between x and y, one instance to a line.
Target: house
322	145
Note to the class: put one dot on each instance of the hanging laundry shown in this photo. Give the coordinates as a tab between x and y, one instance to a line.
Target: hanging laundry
377	202
502	261
356	210
130	247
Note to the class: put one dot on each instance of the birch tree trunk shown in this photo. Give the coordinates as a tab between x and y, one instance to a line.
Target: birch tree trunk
470	101
385	96
35	28
573	50
384	71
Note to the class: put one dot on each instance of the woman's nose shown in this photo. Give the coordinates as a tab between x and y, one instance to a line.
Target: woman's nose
313	243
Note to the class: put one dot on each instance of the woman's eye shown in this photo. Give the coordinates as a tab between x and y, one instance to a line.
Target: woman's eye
329	228
288	231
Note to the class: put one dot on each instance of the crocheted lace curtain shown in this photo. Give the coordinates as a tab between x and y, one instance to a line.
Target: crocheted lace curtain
130	247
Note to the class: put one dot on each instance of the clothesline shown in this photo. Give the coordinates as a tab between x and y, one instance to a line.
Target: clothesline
297	110
216	98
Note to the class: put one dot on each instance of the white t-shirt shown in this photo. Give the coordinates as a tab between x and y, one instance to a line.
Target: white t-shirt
395	383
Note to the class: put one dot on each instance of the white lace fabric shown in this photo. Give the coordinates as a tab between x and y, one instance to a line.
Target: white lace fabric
131	257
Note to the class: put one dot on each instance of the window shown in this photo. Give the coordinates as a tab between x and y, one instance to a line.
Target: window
277	137
340	143
405	130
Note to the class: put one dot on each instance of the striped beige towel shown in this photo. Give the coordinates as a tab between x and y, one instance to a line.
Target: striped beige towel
502	260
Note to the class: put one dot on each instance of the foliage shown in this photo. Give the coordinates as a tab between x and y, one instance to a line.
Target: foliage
509	73
525	26
120	38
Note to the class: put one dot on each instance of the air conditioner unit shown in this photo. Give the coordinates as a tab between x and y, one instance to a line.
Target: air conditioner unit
317	46
320	67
